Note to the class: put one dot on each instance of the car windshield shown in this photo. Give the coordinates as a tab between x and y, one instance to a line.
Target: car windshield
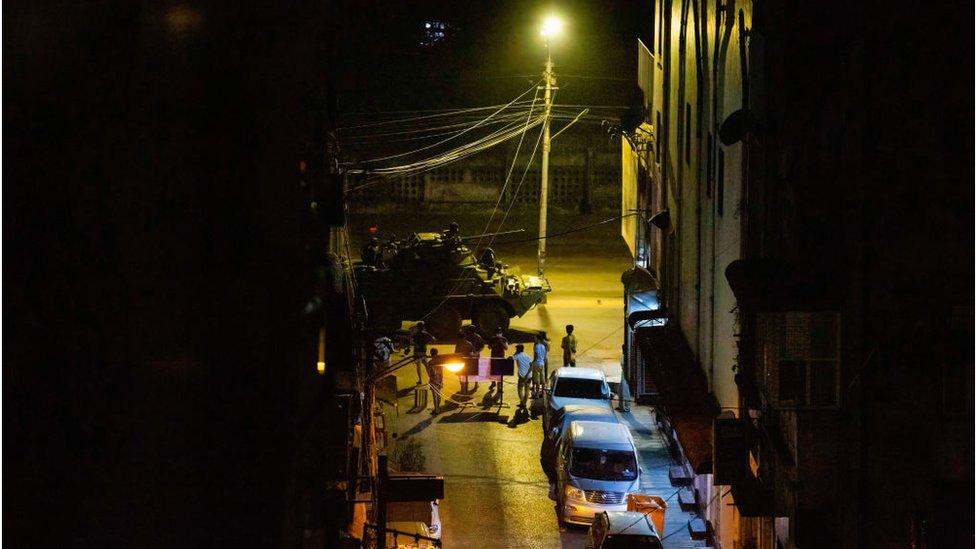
581	388
627	542
604	464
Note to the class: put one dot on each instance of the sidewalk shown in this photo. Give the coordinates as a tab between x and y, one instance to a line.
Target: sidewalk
655	461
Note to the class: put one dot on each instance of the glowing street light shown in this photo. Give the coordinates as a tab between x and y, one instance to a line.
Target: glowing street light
453	367
552	26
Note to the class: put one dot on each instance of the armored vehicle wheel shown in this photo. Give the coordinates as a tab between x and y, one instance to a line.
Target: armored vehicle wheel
491	315
445	323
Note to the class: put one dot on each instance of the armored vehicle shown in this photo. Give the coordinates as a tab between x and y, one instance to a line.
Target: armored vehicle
436	278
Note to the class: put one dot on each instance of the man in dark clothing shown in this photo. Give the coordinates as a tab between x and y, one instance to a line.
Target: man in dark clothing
471	344
436	376
569	347
498	344
419	339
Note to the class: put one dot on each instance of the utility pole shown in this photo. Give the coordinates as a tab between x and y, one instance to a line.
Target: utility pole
550	79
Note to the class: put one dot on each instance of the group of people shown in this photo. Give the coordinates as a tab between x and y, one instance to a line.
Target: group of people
531	371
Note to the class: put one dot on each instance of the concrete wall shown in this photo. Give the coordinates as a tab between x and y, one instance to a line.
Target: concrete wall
696	51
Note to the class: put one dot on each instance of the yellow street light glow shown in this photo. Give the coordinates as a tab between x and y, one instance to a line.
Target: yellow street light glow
453	366
320	367
552	26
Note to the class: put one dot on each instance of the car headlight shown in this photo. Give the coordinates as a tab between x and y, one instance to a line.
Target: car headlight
573	492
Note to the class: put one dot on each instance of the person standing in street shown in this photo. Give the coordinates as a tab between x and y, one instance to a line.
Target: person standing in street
498	344
463	347
545	366
436	377
569	347
476	343
524	365
540	353
469	344
420	338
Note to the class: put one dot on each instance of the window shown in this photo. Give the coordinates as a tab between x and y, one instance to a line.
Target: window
604	464
581	388
799	354
687	133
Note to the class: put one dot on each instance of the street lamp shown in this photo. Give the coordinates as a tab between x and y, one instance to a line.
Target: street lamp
552	26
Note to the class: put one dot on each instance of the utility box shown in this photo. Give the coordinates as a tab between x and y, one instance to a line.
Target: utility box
654	505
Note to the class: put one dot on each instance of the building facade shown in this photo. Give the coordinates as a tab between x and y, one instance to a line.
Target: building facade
812	353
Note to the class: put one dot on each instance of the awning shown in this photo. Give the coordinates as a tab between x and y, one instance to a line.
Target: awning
639	279
684	396
764	284
647	317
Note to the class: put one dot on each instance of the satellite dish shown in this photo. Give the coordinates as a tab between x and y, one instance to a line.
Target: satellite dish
736	126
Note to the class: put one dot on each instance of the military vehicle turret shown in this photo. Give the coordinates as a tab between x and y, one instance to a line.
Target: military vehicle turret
436	278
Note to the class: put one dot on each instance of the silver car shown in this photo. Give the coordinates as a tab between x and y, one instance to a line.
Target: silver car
597	468
559	424
569	386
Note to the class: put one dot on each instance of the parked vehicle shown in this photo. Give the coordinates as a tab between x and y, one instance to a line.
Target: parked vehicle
569	386
560	421
596	468
622	529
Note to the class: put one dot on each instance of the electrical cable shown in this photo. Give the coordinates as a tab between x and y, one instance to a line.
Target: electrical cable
468	149
416	168
366	137
508	176
511	204
432	145
380	113
437	115
518	188
571	231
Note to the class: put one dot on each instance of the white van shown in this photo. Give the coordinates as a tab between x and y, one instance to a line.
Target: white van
596	468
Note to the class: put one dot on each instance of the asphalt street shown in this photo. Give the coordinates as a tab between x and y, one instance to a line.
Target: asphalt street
496	493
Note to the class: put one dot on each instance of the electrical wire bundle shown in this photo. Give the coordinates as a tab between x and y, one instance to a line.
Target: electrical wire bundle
502	123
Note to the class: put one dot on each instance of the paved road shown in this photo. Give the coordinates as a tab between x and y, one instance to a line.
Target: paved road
496	493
